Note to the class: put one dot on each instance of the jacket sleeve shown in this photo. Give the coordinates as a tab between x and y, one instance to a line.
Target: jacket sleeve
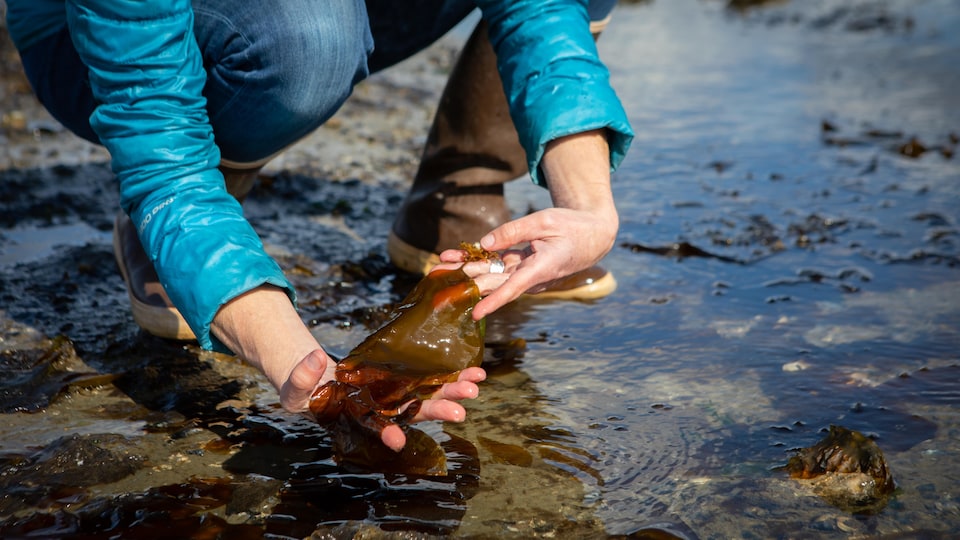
146	73
555	83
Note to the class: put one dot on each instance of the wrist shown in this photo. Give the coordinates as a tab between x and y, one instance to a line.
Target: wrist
577	168
264	329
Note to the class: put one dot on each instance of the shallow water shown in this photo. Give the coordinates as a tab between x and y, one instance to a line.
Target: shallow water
824	279
784	264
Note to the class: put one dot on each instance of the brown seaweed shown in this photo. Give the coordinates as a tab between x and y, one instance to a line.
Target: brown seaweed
473	252
848	470
383	381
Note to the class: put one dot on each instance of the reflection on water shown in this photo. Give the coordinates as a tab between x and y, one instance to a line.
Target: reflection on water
29	243
788	261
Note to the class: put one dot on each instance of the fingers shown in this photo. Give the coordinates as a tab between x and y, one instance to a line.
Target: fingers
480	272
555	242
465	387
431	409
450	261
503	281
442	407
451	256
472	374
510	233
503	289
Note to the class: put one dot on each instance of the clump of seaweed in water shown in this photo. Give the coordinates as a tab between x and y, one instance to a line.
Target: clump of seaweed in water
847	469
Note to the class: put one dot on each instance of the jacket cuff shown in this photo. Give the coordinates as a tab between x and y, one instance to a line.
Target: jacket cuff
205	252
593	106
555	83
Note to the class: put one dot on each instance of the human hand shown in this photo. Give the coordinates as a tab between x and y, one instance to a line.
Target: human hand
317	368
551	244
558	242
441	406
313	371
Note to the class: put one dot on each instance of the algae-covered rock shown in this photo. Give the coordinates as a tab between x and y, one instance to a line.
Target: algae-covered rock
65	468
847	469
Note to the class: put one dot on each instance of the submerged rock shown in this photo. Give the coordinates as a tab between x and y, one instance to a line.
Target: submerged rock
847	469
37	369
169	511
64	469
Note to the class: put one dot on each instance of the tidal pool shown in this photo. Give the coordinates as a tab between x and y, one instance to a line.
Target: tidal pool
788	260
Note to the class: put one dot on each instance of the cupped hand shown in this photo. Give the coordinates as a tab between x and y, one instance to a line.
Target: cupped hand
443	405
556	242
318	368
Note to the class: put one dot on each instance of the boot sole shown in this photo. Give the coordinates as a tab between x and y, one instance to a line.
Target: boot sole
162	322
417	261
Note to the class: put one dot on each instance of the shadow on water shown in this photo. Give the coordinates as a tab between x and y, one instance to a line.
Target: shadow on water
787	261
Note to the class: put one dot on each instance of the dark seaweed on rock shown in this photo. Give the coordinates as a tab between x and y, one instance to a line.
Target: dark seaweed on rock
64	470
170	511
842	451
848	470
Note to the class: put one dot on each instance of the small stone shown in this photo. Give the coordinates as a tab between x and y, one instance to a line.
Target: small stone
14	120
796	365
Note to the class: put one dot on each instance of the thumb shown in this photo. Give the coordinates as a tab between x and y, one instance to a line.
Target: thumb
393	437
304	379
509	234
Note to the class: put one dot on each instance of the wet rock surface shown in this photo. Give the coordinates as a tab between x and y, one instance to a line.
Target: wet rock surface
58	474
165	511
39	370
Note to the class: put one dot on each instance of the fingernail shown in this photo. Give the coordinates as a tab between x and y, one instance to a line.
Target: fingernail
395	445
313	362
487	241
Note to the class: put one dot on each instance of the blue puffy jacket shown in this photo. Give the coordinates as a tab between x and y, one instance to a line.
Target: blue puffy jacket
146	72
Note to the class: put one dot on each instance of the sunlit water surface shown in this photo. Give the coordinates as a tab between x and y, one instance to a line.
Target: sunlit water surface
823	289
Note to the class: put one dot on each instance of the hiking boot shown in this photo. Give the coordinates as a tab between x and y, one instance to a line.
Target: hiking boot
152	309
472	150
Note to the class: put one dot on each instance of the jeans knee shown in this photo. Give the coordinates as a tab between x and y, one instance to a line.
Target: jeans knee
599	10
286	71
314	67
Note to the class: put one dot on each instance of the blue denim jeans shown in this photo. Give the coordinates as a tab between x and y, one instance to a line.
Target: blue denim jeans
283	66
